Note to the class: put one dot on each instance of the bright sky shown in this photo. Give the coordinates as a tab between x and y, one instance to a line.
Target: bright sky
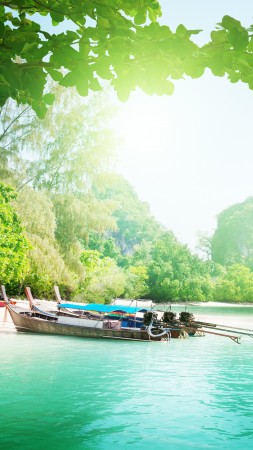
191	155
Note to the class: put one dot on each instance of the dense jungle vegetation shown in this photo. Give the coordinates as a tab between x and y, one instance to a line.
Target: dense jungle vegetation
68	219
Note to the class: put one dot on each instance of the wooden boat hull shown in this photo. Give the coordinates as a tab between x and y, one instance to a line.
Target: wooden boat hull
26	323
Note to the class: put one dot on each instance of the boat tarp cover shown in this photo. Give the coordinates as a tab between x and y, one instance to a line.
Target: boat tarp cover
102	308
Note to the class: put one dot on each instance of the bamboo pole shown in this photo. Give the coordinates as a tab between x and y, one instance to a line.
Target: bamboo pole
234	338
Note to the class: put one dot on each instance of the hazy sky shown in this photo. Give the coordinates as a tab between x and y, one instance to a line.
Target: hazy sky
191	155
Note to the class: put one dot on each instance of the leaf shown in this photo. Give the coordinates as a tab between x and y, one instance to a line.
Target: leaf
72	35
94	84
84	49
234	77
49	99
238	38
181	30
55	74
193	67
71	53
71	79
217	66
82	87
141	16
243	64
29	47
59	58
152	15
219	36
122	90
5	90
250	45
56	17
229	23
40	109
250	82
102	68
190	32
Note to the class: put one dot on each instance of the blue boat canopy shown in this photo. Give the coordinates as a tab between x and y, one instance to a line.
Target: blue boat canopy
103	308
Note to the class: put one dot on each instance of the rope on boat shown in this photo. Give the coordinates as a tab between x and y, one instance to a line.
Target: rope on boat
166	331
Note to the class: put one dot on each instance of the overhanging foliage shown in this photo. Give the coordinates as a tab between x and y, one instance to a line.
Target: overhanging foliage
116	40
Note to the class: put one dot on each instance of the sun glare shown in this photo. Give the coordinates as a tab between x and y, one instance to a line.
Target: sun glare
143	127
142	124
153	132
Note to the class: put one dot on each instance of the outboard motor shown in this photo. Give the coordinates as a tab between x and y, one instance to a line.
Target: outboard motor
169	317
148	317
185	316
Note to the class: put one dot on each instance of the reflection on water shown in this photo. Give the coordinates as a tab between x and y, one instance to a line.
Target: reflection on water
70	393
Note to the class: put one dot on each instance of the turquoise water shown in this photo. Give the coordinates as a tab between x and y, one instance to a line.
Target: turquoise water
71	393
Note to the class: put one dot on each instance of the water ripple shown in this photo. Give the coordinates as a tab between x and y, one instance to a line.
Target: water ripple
86	394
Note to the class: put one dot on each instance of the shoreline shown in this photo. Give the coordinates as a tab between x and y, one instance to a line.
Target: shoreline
191	303
219	304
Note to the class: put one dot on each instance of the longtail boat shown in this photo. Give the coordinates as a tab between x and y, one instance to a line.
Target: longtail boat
111	321
49	323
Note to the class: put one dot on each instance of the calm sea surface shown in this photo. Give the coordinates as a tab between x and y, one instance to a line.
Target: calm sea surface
71	393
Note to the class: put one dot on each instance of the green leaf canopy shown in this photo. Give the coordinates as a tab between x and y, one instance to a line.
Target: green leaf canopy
115	40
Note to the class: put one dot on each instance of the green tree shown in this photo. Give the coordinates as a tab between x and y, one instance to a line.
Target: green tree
36	212
46	263
176	274
235	285
225	291
232	241
105	246
13	244
142	253
78	217
56	228
204	245
73	144
103	279
48	268
197	288
16	123
115	40
133	218
136	282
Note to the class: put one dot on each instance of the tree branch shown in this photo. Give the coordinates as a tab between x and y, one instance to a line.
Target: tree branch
13	121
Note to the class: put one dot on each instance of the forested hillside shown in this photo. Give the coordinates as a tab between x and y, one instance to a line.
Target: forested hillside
67	218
